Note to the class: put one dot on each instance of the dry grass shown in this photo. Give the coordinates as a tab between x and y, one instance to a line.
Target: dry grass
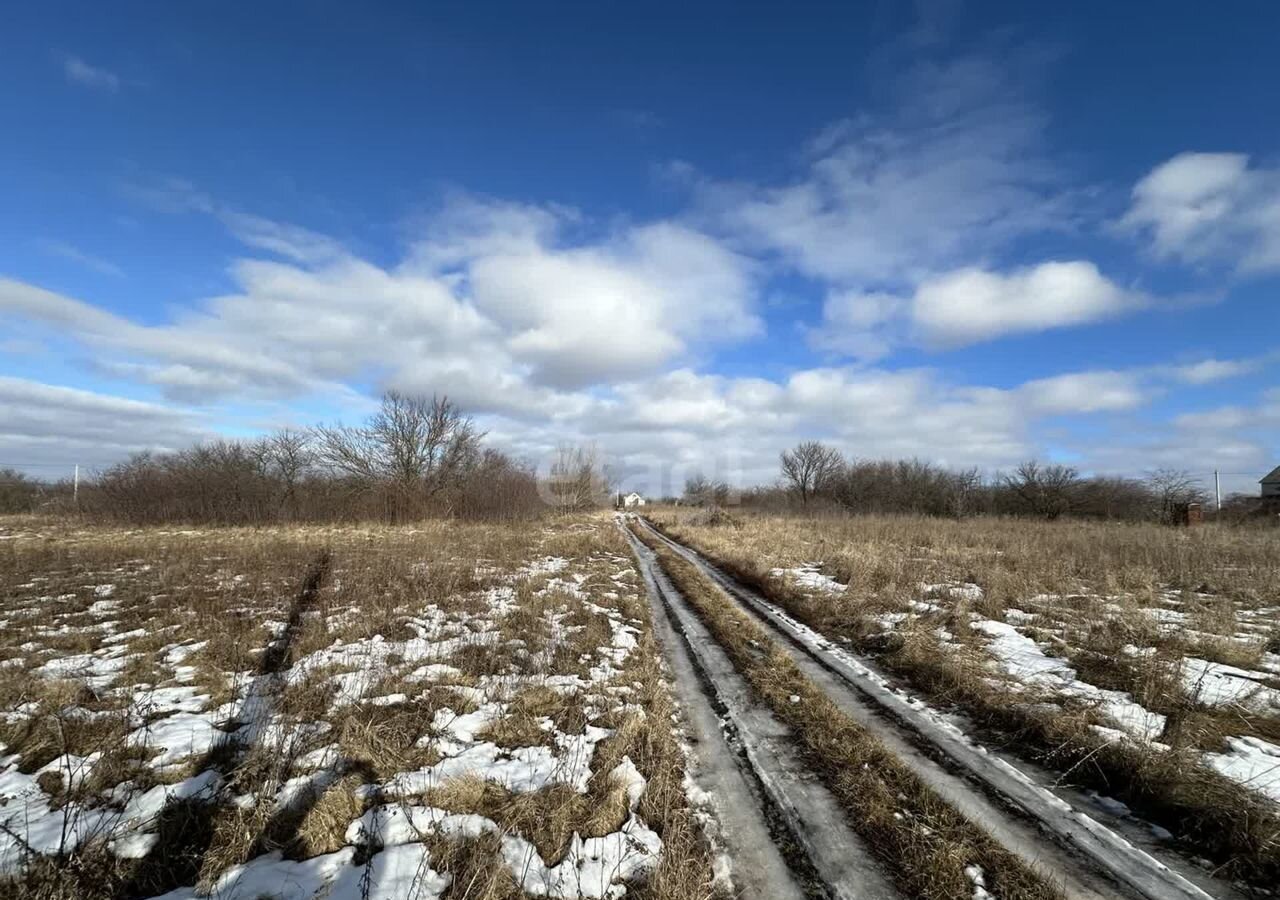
1095	591
923	841
221	615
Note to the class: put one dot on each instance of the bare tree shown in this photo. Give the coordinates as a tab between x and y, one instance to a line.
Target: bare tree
1114	497
411	441
809	467
18	492
1173	490
414	453
289	454
1047	491
702	491
963	489
578	479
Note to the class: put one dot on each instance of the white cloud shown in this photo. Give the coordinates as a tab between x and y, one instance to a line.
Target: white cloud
77	71
1224	418
583	315
1210	207
859	325
969	305
53	426
955	171
973	304
719	424
547	338
489	299
298	244
1210	370
1265	414
1084	392
245	361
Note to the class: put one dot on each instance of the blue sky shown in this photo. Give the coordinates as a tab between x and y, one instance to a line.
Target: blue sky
690	233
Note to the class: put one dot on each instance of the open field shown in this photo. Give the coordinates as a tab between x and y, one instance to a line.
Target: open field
1136	661
434	711
565	709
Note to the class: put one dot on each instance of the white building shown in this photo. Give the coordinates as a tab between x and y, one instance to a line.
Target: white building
632	499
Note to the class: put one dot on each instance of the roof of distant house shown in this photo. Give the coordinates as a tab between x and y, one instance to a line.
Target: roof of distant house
1273	478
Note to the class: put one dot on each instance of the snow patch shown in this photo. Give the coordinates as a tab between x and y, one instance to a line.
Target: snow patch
1251	761
809	575
1021	657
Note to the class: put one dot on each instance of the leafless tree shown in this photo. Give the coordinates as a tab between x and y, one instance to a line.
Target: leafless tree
18	492
1046	491
1114	497
578	478
411	441
809	466
702	491
1172	490
289	454
963	490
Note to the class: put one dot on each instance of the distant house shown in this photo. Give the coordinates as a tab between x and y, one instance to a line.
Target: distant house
634	499
1271	484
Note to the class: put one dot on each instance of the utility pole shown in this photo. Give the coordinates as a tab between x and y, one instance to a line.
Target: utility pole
1217	490
75	488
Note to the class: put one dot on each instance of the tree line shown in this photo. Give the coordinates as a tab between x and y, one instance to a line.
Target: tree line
419	457
815	474
416	457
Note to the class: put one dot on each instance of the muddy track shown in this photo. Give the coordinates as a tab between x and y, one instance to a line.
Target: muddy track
1063	841
784	833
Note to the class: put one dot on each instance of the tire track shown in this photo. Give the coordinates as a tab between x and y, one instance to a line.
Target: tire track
784	832
1085	857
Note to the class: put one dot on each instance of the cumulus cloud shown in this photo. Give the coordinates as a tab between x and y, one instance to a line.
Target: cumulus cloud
490	298
577	315
1210	207
974	304
77	71
969	305
1236	440
693	420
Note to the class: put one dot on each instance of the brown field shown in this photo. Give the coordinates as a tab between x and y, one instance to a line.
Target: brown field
1141	661
451	710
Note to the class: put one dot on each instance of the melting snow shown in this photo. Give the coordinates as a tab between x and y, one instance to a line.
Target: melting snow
1215	684
1022	658
978	879
174	724
808	575
953	590
1252	762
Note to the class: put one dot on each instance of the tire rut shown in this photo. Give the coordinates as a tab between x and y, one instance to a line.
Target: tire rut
1087	859
783	831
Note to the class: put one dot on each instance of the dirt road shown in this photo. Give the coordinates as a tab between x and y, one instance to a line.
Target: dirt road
773	799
